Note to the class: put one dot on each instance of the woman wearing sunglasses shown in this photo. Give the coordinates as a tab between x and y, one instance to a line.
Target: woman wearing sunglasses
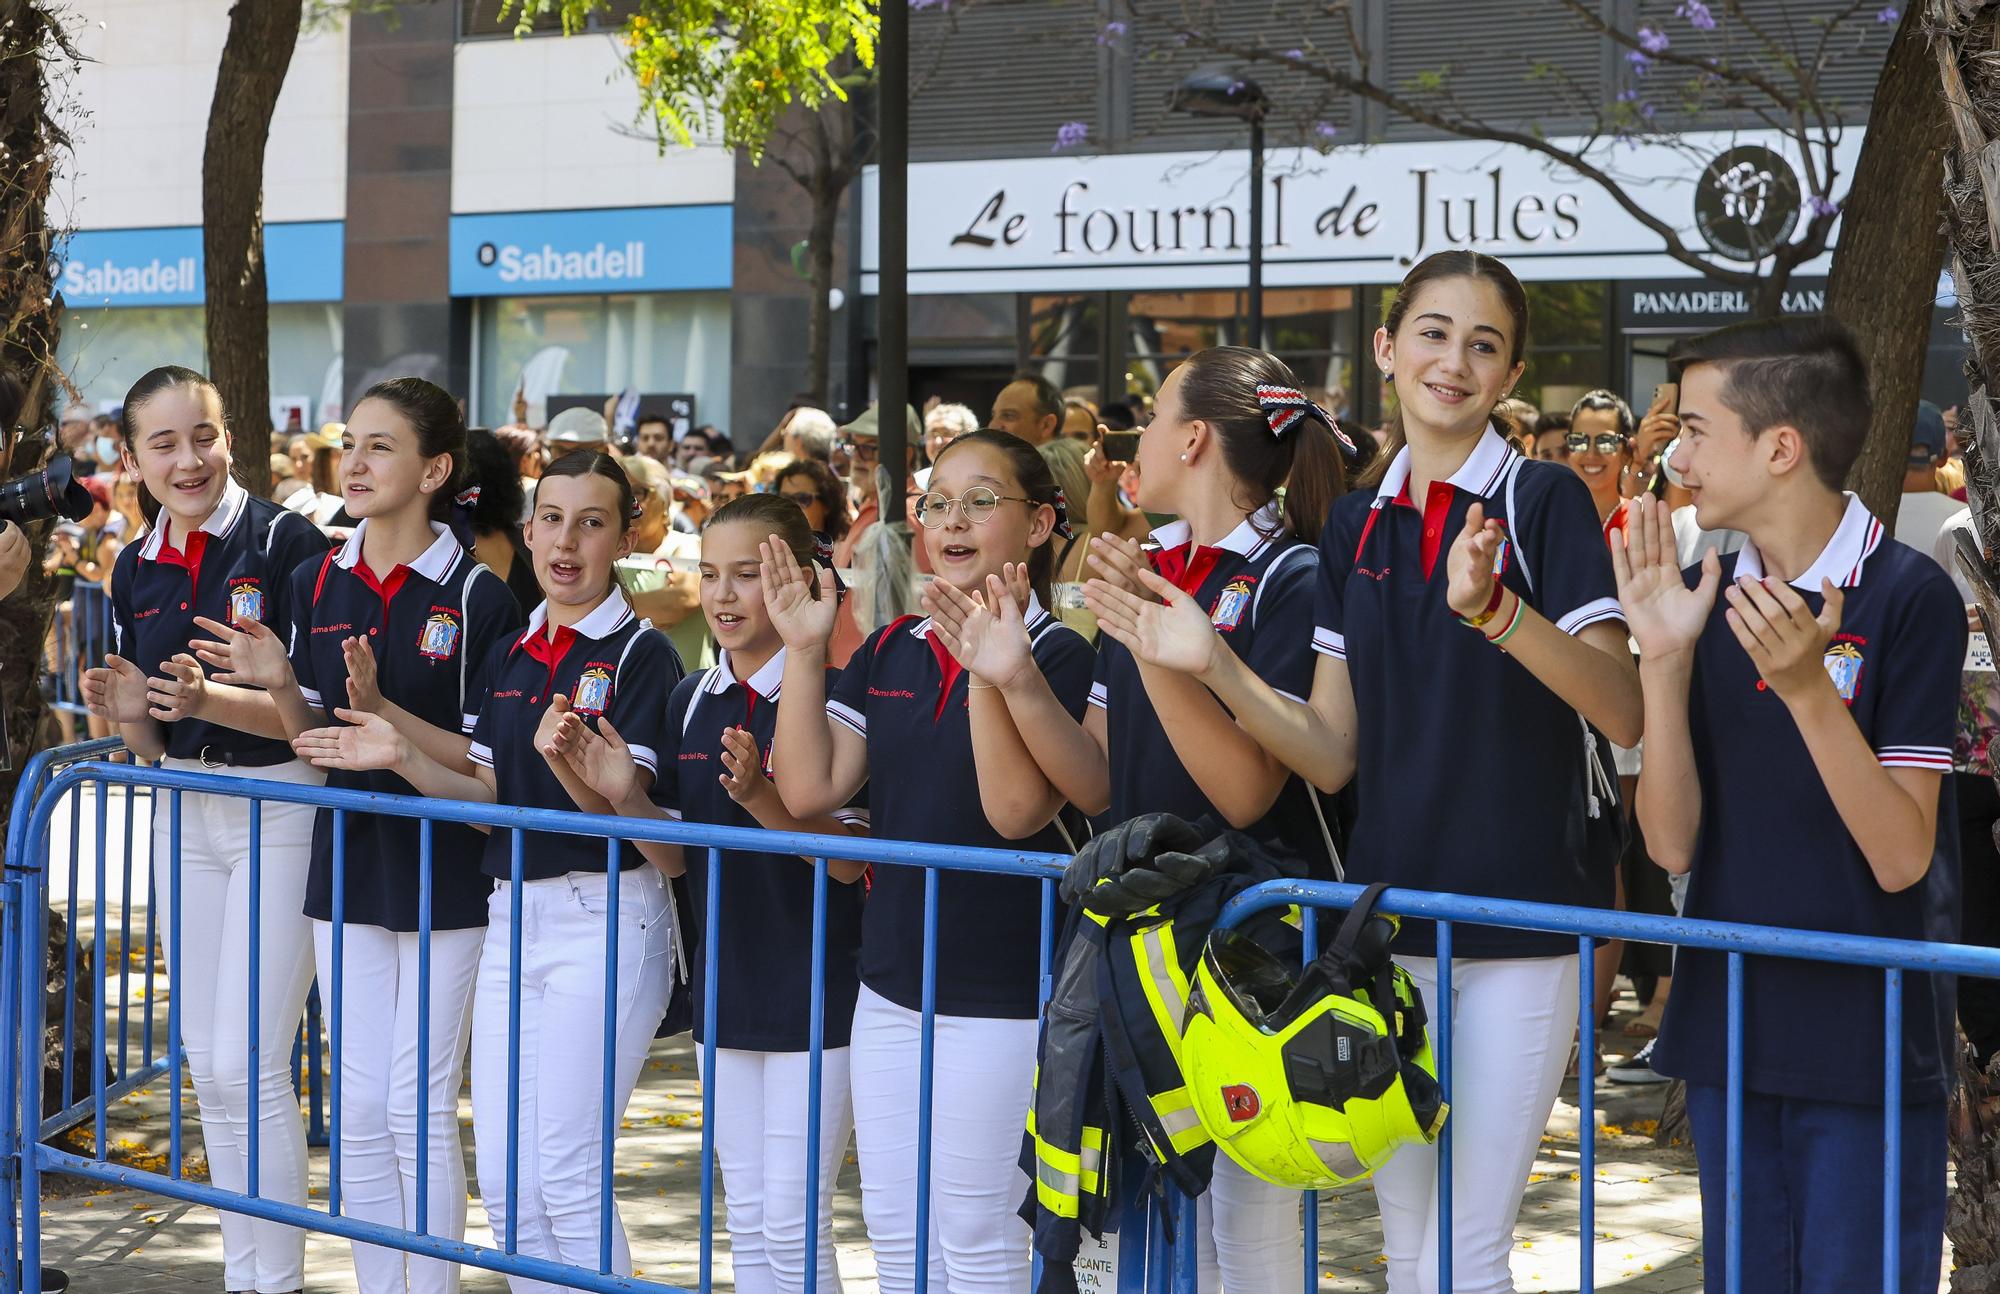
820	495
1600	451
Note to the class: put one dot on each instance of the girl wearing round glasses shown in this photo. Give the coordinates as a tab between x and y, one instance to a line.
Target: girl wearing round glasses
904	715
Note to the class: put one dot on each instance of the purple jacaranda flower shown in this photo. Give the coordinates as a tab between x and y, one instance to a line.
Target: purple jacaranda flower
1653	41
1697	14
1110	33
1890	13
1819	206
1070	134
1326	130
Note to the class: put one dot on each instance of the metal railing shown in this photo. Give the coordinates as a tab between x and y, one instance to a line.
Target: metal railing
1147	1263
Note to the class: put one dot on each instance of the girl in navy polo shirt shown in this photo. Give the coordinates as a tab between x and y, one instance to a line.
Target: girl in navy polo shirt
390	623
1230	427
583	651
1464	604
712	759
217	551
898	721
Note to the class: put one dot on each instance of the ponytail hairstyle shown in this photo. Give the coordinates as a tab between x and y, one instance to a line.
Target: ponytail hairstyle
1038	483
1455	264
164	378
495	470
595	462
434	416
1271	434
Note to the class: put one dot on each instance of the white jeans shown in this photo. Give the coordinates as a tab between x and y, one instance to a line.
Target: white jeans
213	985
379	1082
1512	1023
561	1111
760	1143
982	1078
1248	1237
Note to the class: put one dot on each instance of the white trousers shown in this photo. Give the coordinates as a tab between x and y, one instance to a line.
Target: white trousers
379	1082
1249	1237
1512	1024
982	1078
213	985
760	1143
559	1205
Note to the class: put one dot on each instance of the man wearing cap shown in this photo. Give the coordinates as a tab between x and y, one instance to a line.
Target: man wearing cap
575	429
1924	508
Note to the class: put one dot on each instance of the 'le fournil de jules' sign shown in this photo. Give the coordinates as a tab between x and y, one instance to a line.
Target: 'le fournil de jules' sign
1354	216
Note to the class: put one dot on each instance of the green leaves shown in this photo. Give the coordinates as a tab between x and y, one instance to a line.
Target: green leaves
733	64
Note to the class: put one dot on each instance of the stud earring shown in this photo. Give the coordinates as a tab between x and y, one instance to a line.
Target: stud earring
1184	458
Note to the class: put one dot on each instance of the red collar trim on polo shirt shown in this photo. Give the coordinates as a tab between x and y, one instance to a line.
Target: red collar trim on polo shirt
763	685
1481	473
948	666
188	559
1186	565
434	563
1854	540
218	523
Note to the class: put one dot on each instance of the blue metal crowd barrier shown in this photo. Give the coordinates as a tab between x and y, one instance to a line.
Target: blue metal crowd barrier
78	642
1148	1264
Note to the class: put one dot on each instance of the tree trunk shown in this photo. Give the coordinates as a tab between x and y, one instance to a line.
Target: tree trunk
36	52
1963	33
255	58
1885	268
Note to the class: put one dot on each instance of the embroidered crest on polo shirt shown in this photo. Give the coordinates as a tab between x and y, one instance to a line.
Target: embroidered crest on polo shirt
1843	666
593	690
246	599
440	636
1235	600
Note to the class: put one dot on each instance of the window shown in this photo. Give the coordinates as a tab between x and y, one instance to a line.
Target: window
104	351
1567	354
1312	329
482	18
1065	339
556	345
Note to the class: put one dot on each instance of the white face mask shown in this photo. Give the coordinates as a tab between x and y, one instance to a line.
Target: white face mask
106	449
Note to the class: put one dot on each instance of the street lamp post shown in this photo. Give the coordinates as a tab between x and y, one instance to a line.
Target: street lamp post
1218	92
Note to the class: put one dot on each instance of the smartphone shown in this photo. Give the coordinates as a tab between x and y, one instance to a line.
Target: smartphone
1121	446
1667	397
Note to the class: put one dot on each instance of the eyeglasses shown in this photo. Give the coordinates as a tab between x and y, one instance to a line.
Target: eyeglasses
1608	442
864	449
978	503
804	500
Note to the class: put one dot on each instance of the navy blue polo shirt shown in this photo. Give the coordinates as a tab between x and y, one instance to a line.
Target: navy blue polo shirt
237	566
1772	849
610	664
909	699
1471	776
764	997
429	624
1257	586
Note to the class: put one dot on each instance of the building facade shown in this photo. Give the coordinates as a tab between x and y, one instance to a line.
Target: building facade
446	199
441	199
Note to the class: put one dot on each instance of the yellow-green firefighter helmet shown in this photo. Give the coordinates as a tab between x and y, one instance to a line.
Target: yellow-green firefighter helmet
1309	1079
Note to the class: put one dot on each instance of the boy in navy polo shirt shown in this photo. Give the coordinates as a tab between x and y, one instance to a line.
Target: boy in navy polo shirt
1798	747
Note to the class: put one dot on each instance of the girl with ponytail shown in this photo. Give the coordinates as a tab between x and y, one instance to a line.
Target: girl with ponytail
1466	602
1229	431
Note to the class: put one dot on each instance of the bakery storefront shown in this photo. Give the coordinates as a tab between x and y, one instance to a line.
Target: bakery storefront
1104	271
